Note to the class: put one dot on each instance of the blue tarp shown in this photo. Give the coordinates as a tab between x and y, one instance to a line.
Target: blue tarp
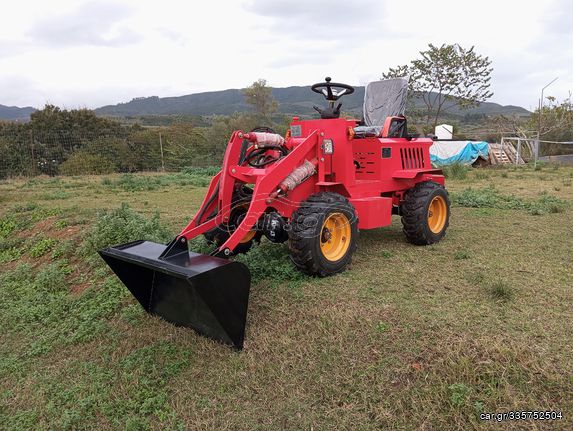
464	152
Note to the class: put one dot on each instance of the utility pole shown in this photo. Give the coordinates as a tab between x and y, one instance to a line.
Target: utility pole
539	122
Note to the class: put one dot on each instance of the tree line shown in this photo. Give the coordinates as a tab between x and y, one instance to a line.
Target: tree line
71	142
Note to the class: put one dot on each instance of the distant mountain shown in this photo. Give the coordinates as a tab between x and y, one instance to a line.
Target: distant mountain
15	113
292	100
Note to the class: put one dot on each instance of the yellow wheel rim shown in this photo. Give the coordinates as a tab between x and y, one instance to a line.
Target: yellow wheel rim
249	236
335	236
437	214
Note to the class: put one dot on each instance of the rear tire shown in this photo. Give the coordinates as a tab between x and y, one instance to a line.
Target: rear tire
425	213
323	234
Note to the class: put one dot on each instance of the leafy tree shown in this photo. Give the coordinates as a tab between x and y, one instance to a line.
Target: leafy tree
446	76
260	98
51	120
185	145
556	120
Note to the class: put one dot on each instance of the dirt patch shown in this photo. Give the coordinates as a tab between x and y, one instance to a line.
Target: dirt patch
48	228
78	289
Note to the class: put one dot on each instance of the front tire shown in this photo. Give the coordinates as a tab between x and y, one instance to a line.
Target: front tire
323	234
220	234
425	213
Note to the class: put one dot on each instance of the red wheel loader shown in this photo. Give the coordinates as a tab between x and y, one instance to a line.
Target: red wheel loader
316	188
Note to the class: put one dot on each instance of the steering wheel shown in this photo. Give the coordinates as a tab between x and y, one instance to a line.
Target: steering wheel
326	89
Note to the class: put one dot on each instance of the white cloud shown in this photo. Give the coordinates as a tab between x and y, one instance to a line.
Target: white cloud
91	23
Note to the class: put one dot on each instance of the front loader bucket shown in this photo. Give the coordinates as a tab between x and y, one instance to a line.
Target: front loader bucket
208	294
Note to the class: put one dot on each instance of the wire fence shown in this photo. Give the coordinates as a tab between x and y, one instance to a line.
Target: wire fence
28	152
61	152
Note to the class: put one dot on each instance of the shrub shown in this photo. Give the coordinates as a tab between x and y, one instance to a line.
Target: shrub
85	163
123	225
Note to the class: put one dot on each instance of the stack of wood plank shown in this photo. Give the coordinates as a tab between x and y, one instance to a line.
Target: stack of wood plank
504	155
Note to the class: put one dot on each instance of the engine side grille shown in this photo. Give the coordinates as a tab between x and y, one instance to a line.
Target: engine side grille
412	157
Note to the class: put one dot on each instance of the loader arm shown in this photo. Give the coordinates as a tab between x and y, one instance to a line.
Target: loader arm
265	182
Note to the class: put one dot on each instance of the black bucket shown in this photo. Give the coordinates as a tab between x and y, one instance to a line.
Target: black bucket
206	293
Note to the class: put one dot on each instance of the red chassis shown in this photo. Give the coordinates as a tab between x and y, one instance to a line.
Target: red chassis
373	173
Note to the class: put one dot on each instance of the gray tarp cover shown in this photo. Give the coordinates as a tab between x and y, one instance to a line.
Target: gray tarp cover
384	99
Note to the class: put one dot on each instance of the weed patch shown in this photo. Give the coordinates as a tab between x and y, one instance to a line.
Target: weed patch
7	226
547	204
386	254
61	224
268	261
27	207
127	398
42	246
57	195
10	254
120	226
197	177
382	326
481	174
459	394
455	171
63	249
491	198
501	291
39	308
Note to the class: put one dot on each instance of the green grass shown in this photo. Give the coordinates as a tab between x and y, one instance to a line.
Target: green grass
42	246
10	254
198	177
408	338
56	195
119	226
499	290
456	171
461	255
491	197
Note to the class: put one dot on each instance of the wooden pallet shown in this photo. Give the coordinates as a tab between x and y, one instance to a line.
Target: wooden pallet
505	156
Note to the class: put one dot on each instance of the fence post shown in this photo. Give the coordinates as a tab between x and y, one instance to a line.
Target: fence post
536	151
518	151
161	148
34	165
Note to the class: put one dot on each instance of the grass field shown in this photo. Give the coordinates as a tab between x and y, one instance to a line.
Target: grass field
422	338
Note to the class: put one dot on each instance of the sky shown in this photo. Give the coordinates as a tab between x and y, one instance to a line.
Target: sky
92	53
